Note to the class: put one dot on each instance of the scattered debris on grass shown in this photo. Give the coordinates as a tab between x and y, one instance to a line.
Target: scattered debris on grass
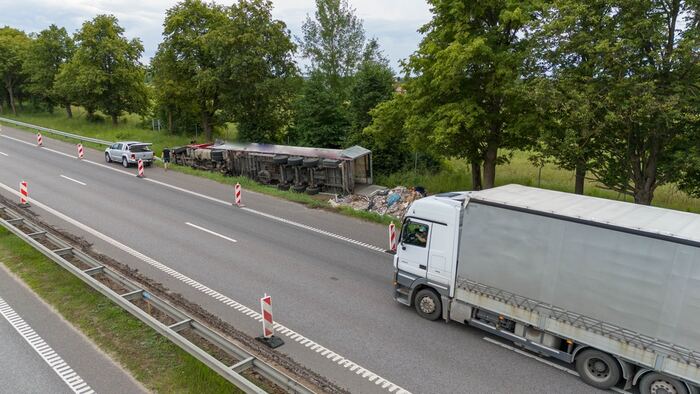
392	202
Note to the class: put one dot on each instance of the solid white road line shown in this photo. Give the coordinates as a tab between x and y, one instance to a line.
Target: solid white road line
4	154
341	361
543	361
210	232
227	203
64	371
71	179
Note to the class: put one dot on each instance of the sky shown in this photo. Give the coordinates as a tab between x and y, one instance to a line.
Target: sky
393	22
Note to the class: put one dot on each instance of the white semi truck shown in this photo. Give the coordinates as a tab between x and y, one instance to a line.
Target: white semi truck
609	286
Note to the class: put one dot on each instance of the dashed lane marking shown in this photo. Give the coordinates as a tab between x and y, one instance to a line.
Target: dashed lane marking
342	361
210	232
227	203
543	361
4	154
73	180
64	371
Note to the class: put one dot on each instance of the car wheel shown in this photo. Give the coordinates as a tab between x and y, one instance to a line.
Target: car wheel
428	304
107	158
125	163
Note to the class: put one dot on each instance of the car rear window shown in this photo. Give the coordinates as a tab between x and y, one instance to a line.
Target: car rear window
140	148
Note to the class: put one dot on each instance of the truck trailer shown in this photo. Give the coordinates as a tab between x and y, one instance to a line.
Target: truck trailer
612	288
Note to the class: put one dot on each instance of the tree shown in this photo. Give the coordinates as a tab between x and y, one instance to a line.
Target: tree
570	45
256	69
189	52
13	48
372	84
105	70
333	40
52	48
466	97
652	122
321	115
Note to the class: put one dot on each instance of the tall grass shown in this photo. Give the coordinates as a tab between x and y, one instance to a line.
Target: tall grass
456	175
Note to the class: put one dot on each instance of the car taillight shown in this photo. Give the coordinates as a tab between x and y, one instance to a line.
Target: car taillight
133	156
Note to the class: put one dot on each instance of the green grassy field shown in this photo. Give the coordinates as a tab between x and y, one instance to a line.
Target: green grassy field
157	363
455	175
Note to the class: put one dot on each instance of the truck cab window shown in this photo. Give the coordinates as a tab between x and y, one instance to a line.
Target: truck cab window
415	234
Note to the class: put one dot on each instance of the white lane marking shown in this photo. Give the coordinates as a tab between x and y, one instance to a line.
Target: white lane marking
71	179
227	203
4	154
210	232
345	363
543	361
49	356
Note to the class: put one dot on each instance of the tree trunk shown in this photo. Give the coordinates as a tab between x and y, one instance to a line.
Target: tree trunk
12	99
115	119
476	175
643	196
206	126
170	121
490	167
580	179
69	111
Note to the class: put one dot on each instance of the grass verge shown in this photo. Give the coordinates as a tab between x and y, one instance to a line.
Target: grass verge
154	361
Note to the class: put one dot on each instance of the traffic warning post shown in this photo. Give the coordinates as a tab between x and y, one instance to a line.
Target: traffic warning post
392	238
268	336
39	139
24	194
81	151
140	167
237	192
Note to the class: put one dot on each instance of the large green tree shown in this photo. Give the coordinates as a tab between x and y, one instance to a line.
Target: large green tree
333	40
257	72
188	50
105	73
52	48
653	106
13	50
465	97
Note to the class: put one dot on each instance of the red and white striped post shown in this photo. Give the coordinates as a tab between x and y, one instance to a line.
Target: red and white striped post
268	336
39	139
140	166
24	194
237	192
392	238
81	152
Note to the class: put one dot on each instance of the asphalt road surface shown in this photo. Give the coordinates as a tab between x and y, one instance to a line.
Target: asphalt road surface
41	353
329	279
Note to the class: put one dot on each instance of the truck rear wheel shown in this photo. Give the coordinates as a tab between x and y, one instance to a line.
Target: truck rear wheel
656	383
428	304
598	369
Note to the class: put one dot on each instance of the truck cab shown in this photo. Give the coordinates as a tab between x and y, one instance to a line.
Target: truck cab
426	256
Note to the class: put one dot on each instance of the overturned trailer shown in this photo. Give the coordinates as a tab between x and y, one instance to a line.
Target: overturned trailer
301	169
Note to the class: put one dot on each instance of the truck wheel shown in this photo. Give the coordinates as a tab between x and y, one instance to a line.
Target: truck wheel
598	369
428	304
656	383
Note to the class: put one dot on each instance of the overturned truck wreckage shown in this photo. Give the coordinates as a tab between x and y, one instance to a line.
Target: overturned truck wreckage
300	169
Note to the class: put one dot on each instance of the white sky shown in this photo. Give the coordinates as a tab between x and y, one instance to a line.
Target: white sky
393	22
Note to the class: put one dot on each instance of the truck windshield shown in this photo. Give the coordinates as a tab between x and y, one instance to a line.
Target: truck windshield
415	234
139	148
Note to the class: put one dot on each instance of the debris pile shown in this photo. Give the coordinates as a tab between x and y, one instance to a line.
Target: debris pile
393	202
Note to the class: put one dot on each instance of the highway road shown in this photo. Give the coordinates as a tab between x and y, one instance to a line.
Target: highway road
41	353
327	274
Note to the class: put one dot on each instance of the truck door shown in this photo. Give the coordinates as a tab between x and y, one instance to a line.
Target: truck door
415	241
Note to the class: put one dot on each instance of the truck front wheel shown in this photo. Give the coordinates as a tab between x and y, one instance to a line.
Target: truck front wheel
598	369
656	383
428	304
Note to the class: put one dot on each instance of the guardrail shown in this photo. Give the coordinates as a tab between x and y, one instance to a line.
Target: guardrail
57	132
179	322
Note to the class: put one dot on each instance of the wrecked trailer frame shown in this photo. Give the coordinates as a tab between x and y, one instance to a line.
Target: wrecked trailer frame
301	169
